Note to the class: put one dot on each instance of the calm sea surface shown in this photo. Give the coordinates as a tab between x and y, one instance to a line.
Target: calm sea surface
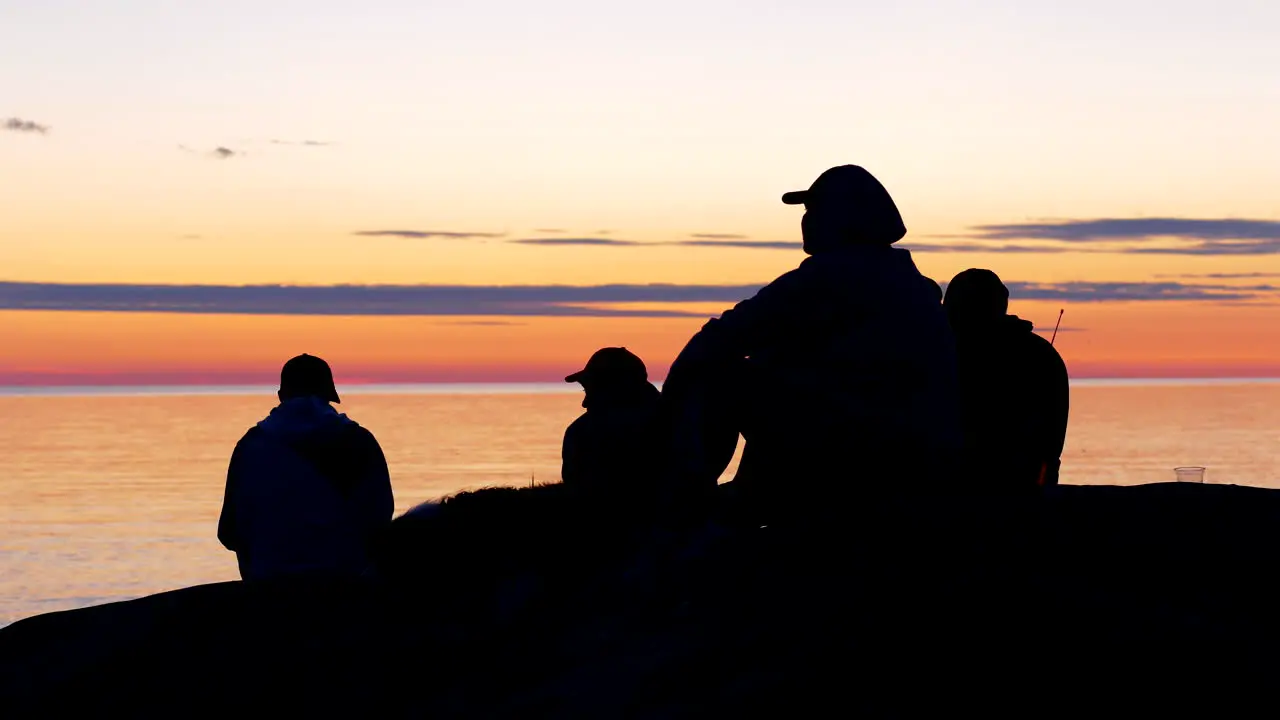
111	494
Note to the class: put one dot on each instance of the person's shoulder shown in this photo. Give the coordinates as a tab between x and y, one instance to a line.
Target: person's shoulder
580	423
250	436
359	433
1041	349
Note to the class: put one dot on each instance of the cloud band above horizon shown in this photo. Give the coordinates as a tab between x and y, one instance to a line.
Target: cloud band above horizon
519	300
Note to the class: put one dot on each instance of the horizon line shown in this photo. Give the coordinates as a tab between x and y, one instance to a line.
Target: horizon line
481	388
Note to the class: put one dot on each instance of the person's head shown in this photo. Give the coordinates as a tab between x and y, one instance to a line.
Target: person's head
846	206
611	371
307	375
976	296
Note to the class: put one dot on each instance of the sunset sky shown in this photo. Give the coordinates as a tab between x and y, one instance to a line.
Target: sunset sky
558	159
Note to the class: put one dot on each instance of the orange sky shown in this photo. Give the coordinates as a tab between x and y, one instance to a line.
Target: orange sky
147	144
1101	340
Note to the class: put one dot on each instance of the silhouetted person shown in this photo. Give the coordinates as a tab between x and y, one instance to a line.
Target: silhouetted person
1013	383
307	488
615	453
842	369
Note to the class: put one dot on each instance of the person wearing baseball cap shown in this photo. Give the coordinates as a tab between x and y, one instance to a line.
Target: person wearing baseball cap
849	360
614	454
307	488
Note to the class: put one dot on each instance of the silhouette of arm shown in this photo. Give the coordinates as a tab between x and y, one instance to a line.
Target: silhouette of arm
702	385
228	528
1051	394
374	495
1060	393
571	458
741	331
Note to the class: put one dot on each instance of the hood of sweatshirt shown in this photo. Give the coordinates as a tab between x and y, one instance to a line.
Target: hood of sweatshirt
303	417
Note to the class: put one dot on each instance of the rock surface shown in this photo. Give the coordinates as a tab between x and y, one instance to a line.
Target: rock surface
1086	600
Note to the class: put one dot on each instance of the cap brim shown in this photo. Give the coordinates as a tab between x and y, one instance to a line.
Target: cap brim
797	197
576	377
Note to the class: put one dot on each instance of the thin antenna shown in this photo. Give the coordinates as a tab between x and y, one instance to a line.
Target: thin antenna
1055	325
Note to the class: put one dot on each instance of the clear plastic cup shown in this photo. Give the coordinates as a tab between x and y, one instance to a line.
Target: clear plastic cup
1191	474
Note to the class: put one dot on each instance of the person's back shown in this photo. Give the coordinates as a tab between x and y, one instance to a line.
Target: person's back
615	453
1015	396
847	363
307	488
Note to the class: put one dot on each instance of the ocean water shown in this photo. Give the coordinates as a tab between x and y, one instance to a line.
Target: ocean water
110	494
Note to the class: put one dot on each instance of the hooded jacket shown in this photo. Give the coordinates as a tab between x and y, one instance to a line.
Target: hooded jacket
1015	401
307	490
845	366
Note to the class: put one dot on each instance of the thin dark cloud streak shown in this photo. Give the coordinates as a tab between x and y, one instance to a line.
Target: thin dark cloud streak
1112	229
15	124
1237	248
612	242
425	234
224	153
1221	276
520	300
739	244
717	236
384	300
1085	292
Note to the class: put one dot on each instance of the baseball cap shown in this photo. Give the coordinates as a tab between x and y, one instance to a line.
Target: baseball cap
612	365
852	191
308	375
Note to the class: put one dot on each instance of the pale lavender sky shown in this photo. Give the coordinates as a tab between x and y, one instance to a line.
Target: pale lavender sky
655	120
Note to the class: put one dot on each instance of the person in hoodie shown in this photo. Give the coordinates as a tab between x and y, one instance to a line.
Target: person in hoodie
842	369
307	488
614	454
1014	394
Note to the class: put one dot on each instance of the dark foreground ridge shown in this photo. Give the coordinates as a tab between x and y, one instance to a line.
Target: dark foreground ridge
512	603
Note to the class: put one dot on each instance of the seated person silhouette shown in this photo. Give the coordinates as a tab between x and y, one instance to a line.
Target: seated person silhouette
614	453
1013	388
307	488
841	369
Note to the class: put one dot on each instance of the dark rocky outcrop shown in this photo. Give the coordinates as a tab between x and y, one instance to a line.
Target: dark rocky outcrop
515	603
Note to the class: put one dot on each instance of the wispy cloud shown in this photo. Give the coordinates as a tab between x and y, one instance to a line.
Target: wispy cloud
980	248
224	153
1133	229
1195	236
423	234
423	300
1083	291
25	126
661	300
717	236
303	143
1222	276
615	242
740	244
549	231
